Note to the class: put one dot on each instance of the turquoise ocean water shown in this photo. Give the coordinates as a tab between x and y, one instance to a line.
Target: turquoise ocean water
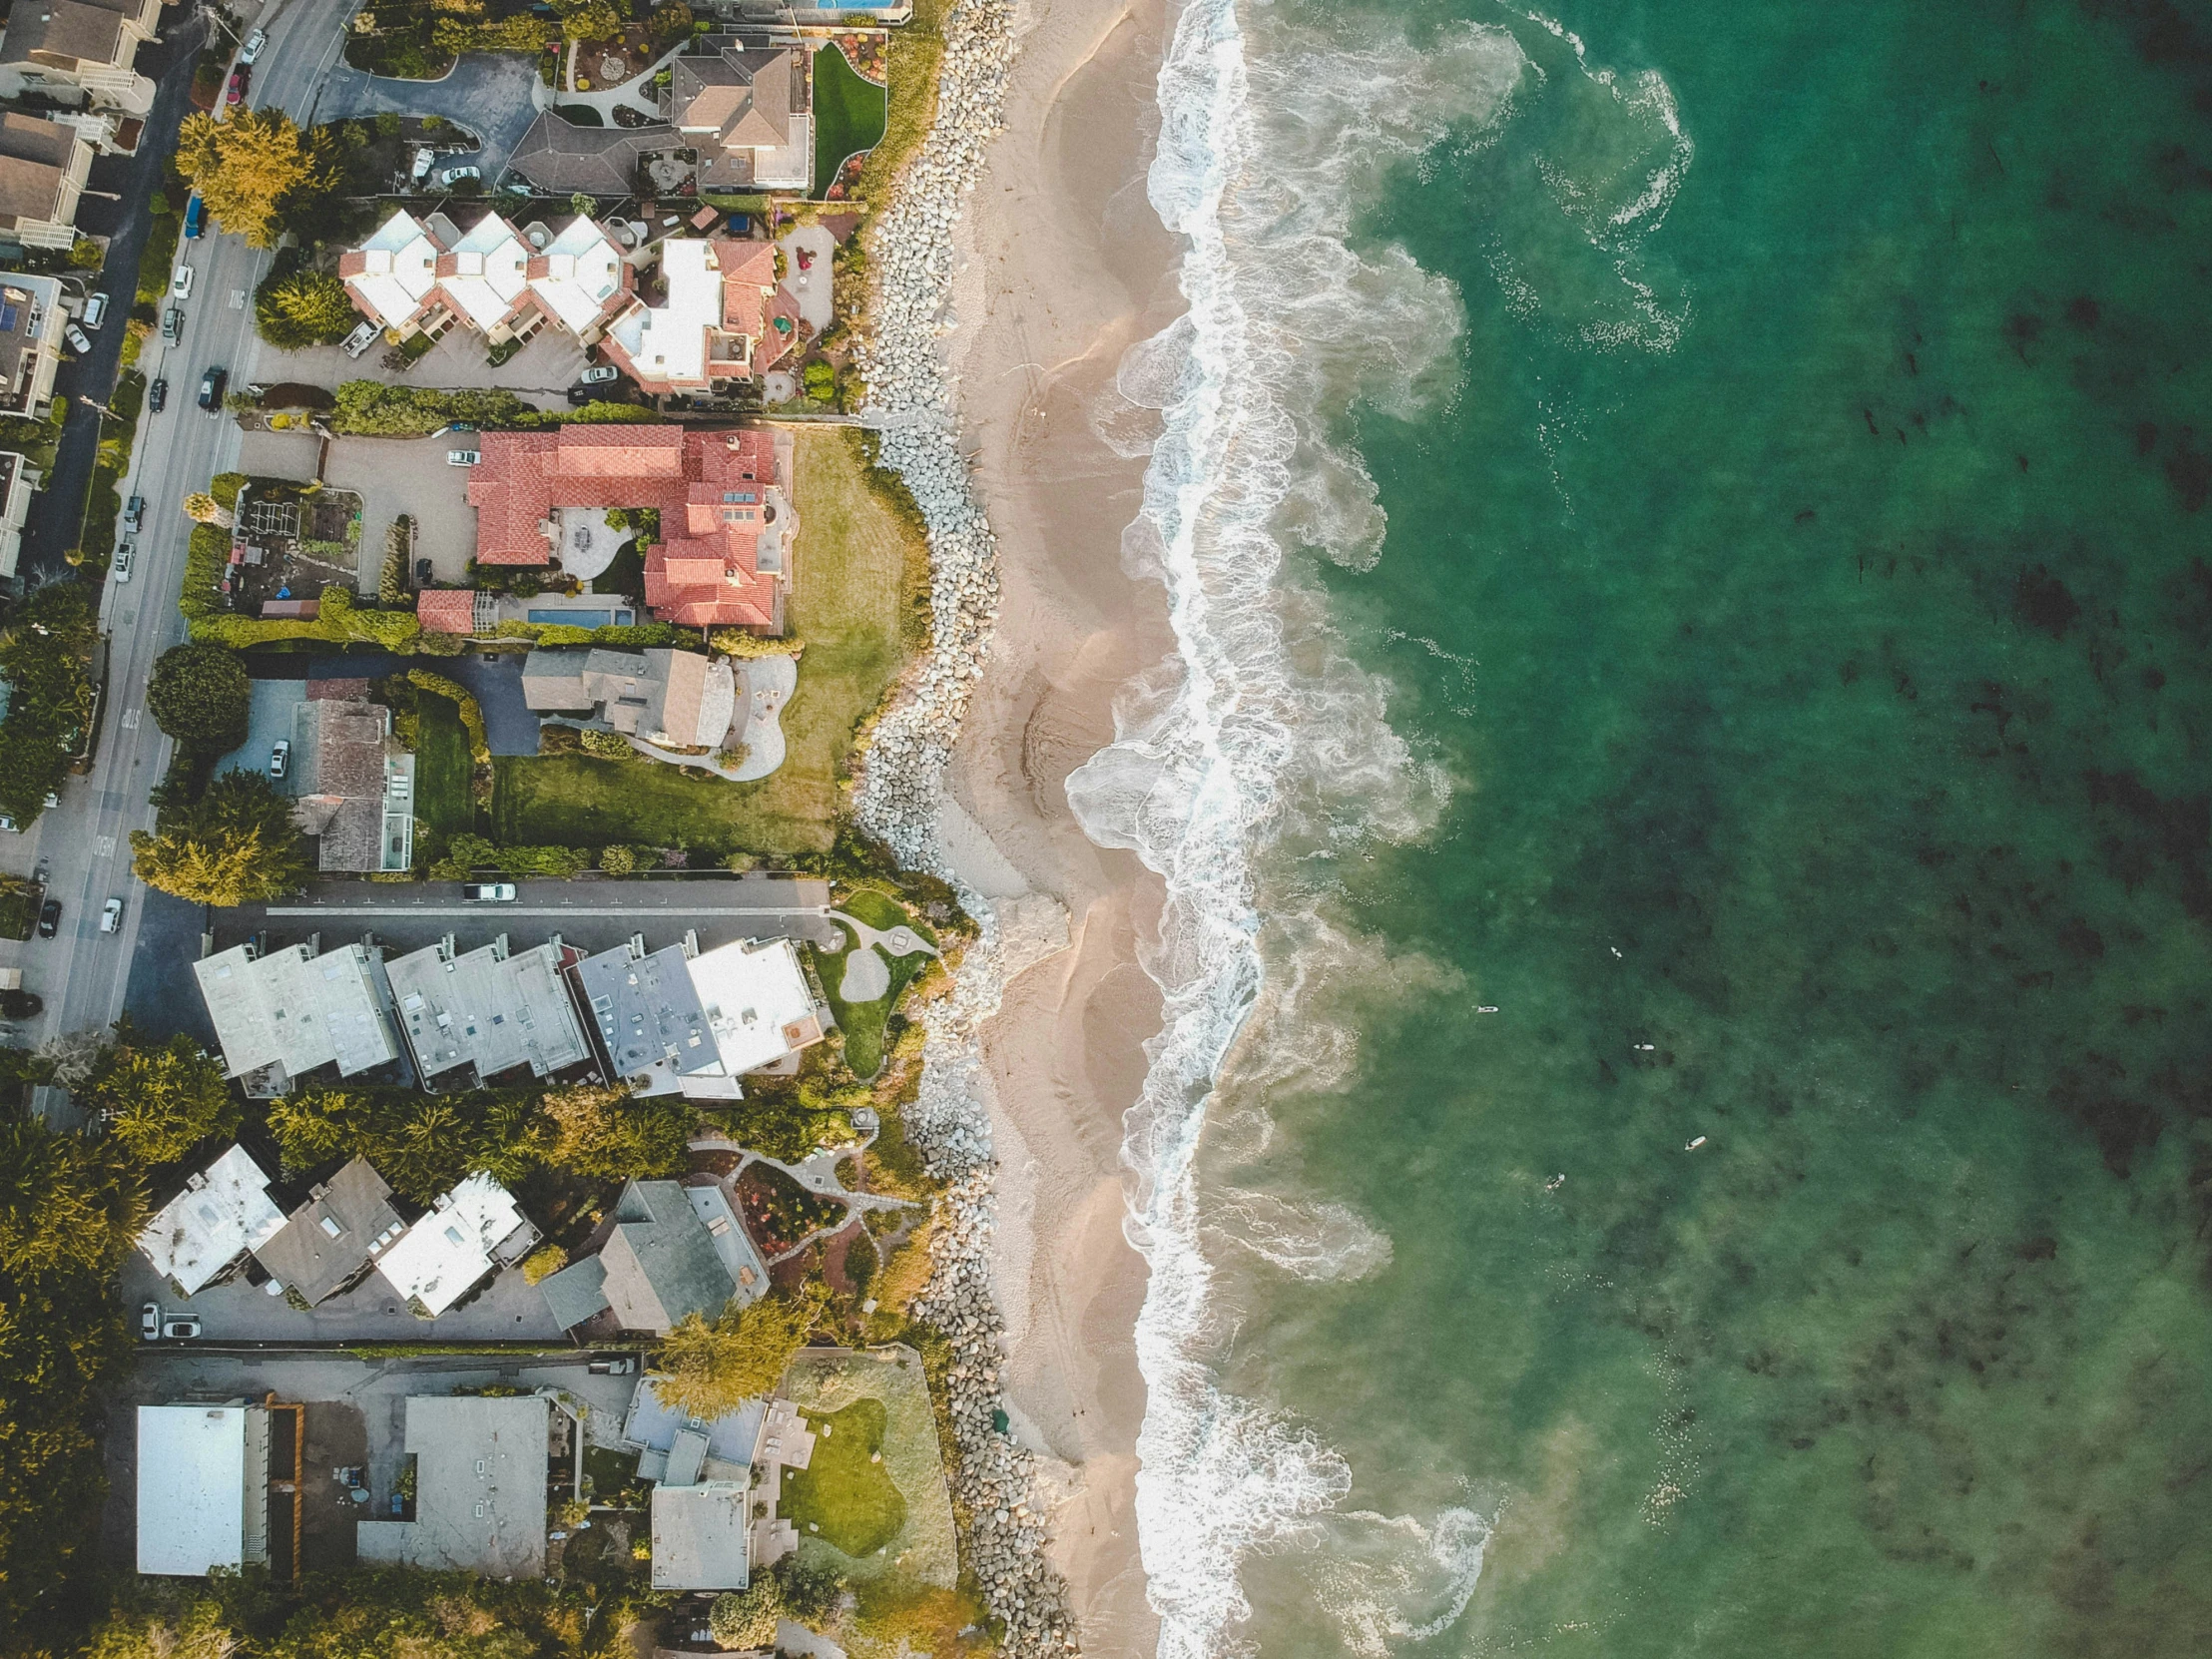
1688	529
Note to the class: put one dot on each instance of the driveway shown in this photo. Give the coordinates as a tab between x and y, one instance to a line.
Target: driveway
496	680
289	455
540	373
408	476
509	1308
489	93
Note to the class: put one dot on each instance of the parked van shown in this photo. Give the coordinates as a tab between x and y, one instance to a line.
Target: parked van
196	216
96	311
172	324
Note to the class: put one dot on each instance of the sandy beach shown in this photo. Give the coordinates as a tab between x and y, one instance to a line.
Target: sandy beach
1064	265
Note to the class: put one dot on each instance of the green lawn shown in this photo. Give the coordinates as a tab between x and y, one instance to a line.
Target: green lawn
862	1023
442	767
859	568
849	114
851	1500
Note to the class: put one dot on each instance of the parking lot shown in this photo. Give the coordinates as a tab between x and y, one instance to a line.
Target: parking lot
408	476
355	1418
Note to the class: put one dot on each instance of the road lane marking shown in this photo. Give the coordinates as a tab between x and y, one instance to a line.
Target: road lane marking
130	719
104	847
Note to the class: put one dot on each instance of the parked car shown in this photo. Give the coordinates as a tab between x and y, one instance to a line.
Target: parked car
110	915
578	396
179	286
422	573
424	160
489	893
463	458
196	216
49	916
96	311
279	757
125	554
236	91
156	397
7	822
361	338
172	324
599	374
181	1330
252	47
134	514
78	342
455	175
211	389
149	1321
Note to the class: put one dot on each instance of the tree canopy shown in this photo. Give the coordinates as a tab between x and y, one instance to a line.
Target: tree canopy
711	1369
199	695
236	845
44	658
162	1101
246	165
301	307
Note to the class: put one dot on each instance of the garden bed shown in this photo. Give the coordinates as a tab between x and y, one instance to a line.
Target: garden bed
778	1211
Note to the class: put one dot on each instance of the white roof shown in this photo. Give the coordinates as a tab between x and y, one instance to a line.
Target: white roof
298	1010
583	272
751	991
222	1213
192	1487
669	343
402	268
441	1258
491	272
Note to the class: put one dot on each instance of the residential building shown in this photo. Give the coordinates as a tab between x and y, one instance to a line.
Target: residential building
469	1232
225	1212
669	1250
19	481
329	1243
280	1016
726	525
423	276
673	1020
470	1016
31	321
714	324
353	783
752	1445
77	51
480	1471
43	168
701	1534
748	111
202	1489
561	158
679	700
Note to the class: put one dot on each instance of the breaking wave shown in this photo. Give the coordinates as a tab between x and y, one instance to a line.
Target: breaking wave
1259	735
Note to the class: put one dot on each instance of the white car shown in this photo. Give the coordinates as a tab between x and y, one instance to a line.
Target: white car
455	175
252	47
149	1321
599	375
79	340
119	566
96	311
463	458
489	893
111	916
179	286
361	338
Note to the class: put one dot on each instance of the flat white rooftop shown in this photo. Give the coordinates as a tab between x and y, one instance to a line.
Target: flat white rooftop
297	1012
222	1212
202	1489
486	1008
442	1257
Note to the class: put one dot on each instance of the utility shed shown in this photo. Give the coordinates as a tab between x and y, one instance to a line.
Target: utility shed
223	1212
202	1489
330	1240
288	1013
480	1473
471	1015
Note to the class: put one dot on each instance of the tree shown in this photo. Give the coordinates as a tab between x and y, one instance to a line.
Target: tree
199	695
594	20
709	1371
747	1618
247	165
235	845
44	659
301	307
203	508
603	1135
162	1102
665	23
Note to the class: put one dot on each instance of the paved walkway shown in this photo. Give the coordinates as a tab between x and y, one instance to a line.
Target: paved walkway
898	942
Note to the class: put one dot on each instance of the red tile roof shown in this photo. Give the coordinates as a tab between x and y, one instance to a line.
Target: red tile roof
708	487
448	610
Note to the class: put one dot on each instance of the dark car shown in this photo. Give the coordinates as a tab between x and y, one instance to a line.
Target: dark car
239	77
422	573
49	918
157	397
211	389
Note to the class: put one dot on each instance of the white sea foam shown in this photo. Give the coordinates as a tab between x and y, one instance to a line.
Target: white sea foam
1390	1579
1258	733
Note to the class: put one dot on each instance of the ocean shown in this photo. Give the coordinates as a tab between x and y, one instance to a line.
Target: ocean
1684	1123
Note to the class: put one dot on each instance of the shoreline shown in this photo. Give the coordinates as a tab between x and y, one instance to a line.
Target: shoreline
1062	266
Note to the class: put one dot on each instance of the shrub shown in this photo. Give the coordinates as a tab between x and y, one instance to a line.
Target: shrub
198	693
543	1263
607	746
391	583
617	861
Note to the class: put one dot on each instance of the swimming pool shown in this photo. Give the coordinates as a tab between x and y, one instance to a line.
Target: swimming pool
582	619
